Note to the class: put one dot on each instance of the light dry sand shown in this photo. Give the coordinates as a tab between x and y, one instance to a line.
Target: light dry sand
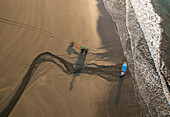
47	93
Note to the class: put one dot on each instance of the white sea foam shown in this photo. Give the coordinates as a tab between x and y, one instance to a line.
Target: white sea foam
150	24
140	40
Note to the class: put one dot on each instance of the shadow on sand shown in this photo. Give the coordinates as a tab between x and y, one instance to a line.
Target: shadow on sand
79	64
119	91
107	31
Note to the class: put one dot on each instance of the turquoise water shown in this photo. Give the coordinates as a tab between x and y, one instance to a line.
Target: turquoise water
162	7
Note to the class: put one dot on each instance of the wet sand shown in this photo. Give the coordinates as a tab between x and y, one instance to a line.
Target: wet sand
29	28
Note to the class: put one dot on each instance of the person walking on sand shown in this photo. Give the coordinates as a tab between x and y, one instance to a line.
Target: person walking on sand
83	49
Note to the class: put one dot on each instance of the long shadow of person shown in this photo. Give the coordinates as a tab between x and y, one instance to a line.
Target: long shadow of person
118	91
79	64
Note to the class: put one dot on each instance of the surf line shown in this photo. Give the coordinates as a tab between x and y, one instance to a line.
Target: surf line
151	55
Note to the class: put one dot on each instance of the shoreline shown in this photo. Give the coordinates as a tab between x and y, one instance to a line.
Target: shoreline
165	65
138	55
156	63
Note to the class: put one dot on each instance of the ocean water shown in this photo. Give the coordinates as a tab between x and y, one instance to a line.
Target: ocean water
162	8
141	37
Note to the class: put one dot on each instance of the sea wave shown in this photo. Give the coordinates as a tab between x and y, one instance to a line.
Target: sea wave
140	39
150	24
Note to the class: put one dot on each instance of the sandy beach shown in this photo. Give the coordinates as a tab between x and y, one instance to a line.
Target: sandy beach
44	76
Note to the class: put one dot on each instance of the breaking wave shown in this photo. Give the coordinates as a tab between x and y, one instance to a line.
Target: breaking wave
150	24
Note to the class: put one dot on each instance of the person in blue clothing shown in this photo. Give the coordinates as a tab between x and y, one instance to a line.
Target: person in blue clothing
124	68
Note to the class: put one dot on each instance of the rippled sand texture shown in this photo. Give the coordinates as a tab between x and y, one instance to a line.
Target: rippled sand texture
29	28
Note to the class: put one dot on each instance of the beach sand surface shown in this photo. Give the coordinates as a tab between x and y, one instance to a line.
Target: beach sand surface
29	28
